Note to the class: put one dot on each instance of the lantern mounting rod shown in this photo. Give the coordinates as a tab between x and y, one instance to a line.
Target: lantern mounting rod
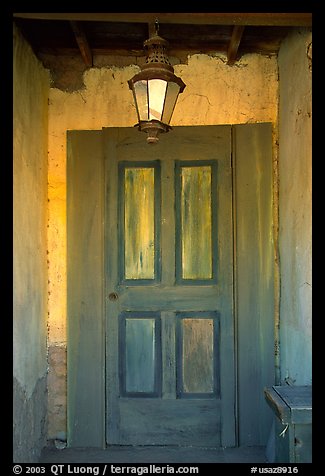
156	26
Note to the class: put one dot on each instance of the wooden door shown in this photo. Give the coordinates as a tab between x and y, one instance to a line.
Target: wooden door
88	353
168	245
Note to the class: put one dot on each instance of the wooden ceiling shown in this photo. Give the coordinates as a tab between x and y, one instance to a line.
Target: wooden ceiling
88	34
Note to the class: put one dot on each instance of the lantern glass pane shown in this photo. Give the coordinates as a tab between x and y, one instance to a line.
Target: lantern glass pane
157	92
141	98
171	98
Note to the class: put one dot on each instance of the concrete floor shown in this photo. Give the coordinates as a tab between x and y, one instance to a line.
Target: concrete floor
154	454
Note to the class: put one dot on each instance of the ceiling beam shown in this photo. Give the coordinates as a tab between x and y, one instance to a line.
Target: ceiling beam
257	19
82	41
237	33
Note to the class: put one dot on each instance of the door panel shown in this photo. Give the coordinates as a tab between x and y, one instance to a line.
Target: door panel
196	214
85	353
198	355
169	288
139	222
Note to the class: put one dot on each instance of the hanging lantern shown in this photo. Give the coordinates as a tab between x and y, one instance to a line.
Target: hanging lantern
155	89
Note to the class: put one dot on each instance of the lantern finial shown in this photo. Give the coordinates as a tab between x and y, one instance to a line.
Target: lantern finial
156	26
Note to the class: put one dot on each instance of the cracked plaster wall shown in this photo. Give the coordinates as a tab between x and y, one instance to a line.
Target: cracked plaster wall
215	94
295	203
30	109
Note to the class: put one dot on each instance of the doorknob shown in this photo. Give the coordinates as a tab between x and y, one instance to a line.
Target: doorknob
113	296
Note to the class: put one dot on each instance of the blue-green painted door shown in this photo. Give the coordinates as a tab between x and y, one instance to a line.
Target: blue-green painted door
170	376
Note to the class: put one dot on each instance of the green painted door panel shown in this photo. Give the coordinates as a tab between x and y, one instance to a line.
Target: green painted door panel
194	206
168	247
254	277
85	357
137	220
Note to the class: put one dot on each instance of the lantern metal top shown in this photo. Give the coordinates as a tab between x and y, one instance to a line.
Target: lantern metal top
156	46
157	64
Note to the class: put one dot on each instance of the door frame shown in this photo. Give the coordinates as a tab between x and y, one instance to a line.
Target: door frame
253	249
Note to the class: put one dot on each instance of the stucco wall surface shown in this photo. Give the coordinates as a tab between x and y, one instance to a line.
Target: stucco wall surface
30	108
295	200
215	93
